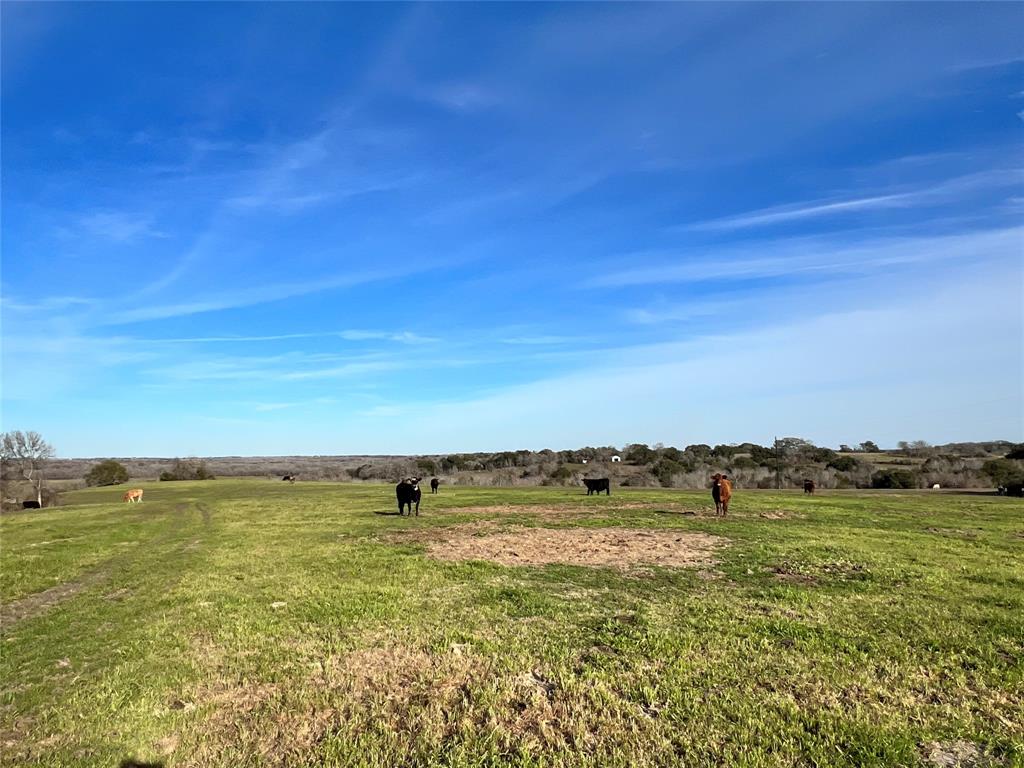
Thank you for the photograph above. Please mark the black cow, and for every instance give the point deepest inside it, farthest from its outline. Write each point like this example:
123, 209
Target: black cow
30, 505
596, 486
289, 478
433, 485
809, 486
408, 493
1015, 489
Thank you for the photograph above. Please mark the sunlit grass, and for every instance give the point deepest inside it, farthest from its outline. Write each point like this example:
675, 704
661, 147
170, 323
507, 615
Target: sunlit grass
246, 622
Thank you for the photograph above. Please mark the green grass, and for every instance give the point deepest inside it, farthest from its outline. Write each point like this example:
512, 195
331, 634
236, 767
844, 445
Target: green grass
845, 630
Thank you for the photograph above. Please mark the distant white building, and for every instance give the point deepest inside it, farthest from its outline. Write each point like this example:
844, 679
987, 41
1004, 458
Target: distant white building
616, 458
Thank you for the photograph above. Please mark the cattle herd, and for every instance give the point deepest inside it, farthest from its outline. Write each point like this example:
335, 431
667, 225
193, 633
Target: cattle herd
408, 492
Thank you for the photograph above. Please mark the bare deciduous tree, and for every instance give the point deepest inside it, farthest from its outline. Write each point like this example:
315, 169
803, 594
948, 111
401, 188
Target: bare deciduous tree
26, 453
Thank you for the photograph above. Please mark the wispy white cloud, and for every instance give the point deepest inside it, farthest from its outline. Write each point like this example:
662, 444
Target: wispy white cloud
813, 256
543, 340
923, 195
805, 211
715, 387
402, 337
45, 305
462, 97
119, 226
247, 297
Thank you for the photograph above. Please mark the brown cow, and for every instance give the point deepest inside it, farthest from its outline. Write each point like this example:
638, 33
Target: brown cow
134, 495
721, 492
808, 486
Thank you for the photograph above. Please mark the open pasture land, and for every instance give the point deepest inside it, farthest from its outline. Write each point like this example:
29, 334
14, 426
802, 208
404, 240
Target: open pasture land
255, 623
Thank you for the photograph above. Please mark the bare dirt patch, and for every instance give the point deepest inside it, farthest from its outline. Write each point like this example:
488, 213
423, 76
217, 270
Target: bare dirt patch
956, 754
34, 605
602, 547
778, 514
578, 511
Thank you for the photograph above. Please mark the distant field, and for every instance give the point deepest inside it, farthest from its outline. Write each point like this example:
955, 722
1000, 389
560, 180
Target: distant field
254, 623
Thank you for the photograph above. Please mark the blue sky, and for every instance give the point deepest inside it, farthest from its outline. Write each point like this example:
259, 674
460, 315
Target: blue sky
382, 228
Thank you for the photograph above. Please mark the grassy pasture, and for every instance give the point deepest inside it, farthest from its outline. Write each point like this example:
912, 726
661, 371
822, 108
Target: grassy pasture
254, 623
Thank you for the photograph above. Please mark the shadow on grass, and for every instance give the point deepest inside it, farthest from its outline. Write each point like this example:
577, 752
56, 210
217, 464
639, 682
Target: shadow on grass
133, 763
387, 514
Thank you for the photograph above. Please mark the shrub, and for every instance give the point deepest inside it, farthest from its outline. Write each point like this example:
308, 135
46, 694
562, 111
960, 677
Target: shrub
1003, 471
1017, 452
843, 463
562, 473
894, 478
664, 469
641, 454
187, 469
107, 472
427, 466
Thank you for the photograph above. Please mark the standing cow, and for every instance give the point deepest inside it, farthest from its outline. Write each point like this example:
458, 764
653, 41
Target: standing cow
808, 486
596, 486
434, 483
408, 493
721, 492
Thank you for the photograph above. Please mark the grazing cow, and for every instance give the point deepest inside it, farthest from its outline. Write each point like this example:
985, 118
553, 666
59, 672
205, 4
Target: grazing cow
808, 486
30, 505
596, 486
408, 493
721, 492
289, 478
434, 483
1015, 489
133, 496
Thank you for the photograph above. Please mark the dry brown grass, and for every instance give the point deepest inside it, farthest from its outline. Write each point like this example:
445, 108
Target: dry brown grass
620, 548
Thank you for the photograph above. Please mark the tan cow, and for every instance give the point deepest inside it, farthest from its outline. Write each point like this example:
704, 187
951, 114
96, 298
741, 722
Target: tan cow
721, 492
134, 495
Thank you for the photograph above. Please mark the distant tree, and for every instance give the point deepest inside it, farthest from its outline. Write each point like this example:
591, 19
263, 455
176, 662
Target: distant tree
664, 469
672, 454
903, 446
844, 448
639, 453
893, 478
1017, 452
561, 473
724, 451
699, 450
844, 463
819, 455
761, 455
427, 466
187, 469
25, 453
1003, 471
107, 472
869, 447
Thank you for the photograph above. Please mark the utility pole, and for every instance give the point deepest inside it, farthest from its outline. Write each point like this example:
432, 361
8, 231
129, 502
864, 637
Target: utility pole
778, 465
